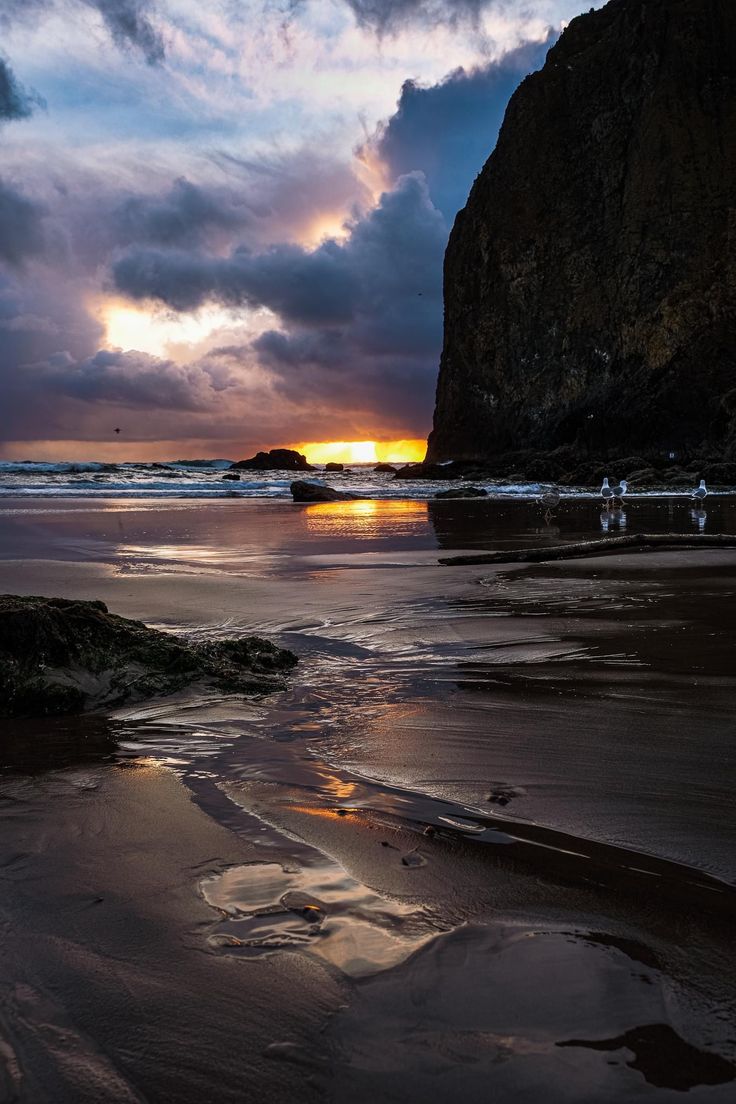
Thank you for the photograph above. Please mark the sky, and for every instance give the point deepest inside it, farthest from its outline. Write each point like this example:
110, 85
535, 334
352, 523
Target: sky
222, 224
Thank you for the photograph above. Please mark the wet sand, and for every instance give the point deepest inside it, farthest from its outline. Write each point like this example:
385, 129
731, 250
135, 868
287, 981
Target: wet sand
313, 894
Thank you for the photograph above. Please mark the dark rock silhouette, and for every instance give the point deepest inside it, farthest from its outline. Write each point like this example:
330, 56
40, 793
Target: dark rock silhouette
318, 492
383, 467
61, 656
275, 460
428, 471
590, 282
334, 466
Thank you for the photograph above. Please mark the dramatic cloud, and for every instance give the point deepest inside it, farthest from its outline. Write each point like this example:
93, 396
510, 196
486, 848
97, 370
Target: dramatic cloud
131, 379
129, 24
391, 255
449, 129
128, 21
260, 277
180, 218
392, 15
15, 101
294, 194
21, 232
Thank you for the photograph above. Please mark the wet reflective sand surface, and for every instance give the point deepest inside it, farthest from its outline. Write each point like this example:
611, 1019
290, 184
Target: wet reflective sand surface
483, 847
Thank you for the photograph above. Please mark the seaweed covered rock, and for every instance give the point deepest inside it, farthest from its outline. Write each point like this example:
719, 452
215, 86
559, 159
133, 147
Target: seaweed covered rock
65, 656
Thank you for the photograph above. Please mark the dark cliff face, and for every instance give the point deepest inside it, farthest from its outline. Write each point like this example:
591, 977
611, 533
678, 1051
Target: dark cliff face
590, 282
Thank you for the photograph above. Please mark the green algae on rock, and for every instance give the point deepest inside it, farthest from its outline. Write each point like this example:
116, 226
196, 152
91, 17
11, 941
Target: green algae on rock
66, 656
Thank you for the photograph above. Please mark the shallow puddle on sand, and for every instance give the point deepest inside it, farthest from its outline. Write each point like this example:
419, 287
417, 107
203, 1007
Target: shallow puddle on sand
512, 1013
320, 908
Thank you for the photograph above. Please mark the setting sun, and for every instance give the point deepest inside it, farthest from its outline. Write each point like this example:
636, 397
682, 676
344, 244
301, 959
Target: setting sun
362, 452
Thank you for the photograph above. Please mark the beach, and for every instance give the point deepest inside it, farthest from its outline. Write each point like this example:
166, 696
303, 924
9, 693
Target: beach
483, 845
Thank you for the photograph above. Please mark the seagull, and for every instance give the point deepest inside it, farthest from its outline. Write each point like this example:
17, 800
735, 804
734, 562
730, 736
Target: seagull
550, 500
606, 492
701, 492
619, 491
117, 429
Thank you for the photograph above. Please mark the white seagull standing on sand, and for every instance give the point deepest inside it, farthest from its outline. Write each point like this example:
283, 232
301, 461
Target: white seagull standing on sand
550, 500
700, 494
606, 492
619, 491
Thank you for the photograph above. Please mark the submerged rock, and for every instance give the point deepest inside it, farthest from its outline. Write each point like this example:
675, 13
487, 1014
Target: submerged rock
318, 492
463, 492
65, 656
383, 467
275, 460
590, 296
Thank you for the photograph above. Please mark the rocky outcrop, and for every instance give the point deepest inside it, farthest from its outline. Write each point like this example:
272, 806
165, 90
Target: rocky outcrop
60, 656
590, 282
334, 466
275, 460
302, 491
384, 467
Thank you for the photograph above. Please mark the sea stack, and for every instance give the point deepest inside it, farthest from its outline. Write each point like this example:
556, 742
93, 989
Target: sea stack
590, 282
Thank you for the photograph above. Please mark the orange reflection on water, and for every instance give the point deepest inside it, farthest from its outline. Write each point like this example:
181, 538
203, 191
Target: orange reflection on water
364, 516
323, 814
338, 787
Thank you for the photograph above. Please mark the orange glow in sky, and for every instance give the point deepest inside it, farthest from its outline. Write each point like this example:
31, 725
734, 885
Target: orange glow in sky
362, 452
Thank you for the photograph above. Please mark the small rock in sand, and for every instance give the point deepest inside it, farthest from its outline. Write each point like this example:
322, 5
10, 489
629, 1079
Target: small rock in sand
504, 794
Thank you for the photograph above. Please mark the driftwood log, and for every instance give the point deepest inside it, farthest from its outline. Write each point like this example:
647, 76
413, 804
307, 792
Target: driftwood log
637, 542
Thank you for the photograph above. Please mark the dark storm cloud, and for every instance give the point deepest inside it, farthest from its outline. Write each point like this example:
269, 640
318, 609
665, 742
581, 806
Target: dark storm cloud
448, 129
131, 379
390, 254
181, 218
392, 15
129, 24
16, 102
284, 278
21, 230
128, 21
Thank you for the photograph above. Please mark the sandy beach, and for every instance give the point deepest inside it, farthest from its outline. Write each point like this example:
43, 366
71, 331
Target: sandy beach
483, 845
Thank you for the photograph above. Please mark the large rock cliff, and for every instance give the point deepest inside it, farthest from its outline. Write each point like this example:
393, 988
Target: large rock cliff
590, 282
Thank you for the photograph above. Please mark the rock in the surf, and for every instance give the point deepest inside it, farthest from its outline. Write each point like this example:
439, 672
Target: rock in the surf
66, 656
275, 460
302, 491
463, 492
